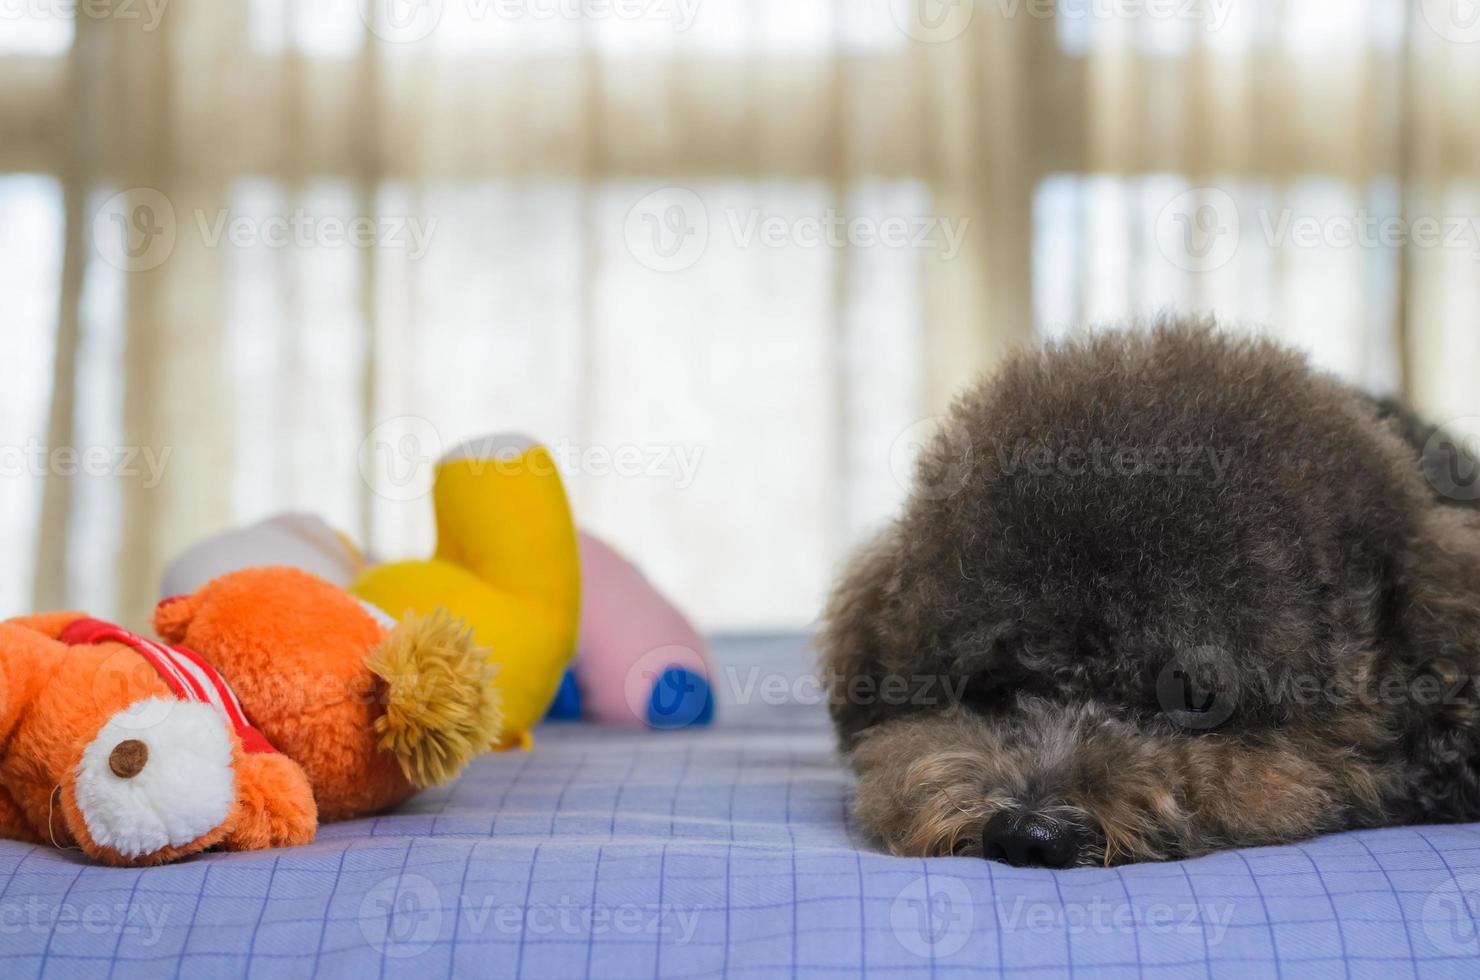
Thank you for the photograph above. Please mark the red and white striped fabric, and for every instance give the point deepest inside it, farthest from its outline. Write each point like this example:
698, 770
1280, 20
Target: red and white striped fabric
185, 671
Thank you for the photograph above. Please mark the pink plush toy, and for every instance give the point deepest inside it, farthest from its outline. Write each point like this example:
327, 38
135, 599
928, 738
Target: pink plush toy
640, 662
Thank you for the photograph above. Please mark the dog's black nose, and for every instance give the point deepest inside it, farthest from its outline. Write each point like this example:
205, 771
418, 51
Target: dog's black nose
1027, 840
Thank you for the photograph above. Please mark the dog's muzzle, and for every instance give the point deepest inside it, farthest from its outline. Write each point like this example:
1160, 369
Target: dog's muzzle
1030, 840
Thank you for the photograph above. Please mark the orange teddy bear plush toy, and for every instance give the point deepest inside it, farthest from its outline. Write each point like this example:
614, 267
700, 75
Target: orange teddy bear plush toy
275, 701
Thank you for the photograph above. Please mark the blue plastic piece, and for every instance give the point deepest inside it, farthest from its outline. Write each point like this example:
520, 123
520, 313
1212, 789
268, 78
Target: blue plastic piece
680, 699
567, 703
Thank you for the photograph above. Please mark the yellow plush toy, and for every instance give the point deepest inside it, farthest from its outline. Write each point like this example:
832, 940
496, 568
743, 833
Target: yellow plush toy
506, 559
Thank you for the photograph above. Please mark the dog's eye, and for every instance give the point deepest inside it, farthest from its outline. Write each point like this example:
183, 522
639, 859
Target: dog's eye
993, 690
982, 693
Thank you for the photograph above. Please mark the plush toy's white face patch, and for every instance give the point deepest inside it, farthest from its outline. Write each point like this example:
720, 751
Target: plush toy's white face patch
157, 775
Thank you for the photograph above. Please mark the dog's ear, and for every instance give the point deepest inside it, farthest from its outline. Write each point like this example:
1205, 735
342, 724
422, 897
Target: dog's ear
855, 639
1435, 616
1439, 596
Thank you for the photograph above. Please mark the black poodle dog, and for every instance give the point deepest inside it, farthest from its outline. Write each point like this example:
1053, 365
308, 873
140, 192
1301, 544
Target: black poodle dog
1161, 592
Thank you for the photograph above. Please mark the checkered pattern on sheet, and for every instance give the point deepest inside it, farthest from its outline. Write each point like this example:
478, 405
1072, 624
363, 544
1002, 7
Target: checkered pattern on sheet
725, 851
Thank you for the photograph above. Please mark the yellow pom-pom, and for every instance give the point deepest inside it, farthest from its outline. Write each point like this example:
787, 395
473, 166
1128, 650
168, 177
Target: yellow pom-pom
442, 710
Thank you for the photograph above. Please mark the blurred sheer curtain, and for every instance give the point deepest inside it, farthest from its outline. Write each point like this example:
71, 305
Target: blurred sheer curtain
727, 254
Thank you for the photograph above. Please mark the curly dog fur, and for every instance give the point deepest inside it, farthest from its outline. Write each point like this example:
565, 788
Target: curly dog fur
1157, 593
